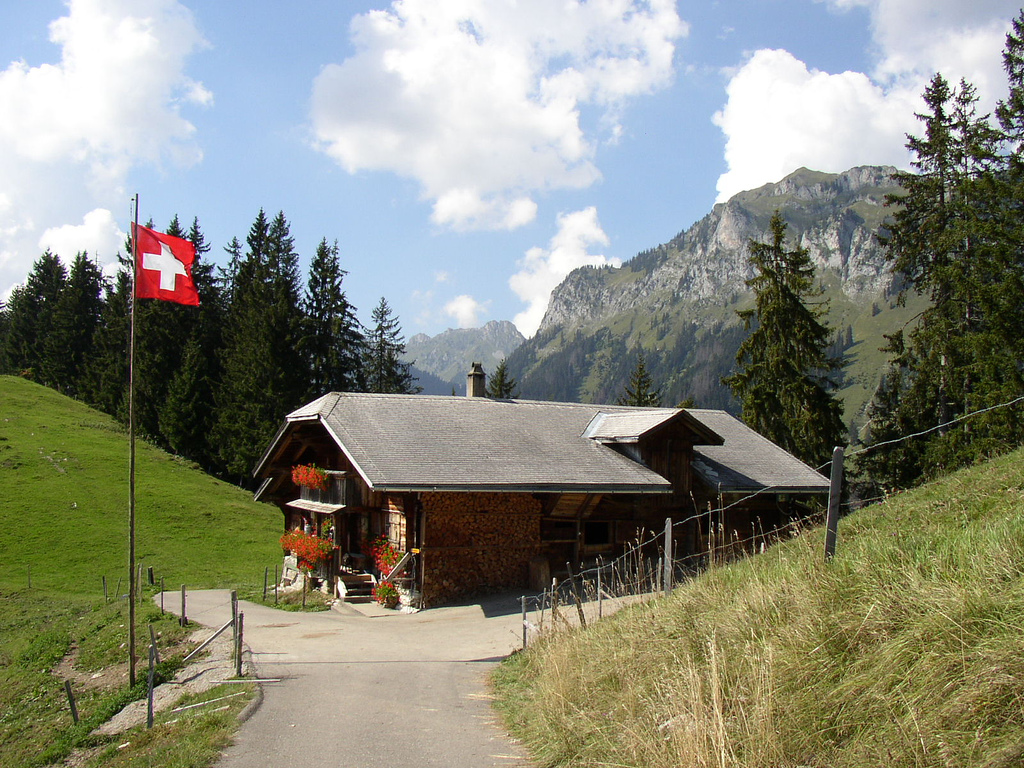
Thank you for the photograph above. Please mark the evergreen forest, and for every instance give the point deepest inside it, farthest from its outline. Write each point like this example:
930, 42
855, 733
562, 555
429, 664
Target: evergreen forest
212, 383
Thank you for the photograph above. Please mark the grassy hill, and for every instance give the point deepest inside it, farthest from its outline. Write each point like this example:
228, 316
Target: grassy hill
906, 650
64, 504
63, 525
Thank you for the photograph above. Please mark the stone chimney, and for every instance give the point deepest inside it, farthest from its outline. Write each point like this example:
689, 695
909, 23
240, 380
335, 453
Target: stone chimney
476, 381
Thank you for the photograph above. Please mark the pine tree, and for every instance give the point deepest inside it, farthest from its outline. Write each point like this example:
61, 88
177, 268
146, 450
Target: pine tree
333, 341
501, 385
953, 239
105, 382
187, 414
30, 317
785, 381
640, 391
384, 370
68, 345
264, 373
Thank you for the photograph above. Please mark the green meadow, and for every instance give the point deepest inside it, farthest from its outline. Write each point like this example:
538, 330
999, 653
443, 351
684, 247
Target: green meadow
63, 529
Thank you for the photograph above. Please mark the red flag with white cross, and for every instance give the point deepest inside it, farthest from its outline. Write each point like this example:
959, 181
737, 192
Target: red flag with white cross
163, 268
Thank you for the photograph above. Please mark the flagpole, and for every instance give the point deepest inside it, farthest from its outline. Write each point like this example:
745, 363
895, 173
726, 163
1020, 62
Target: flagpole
131, 455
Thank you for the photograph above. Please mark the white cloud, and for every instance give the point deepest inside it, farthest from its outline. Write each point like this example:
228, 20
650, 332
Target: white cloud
781, 115
480, 100
542, 270
465, 310
71, 130
98, 234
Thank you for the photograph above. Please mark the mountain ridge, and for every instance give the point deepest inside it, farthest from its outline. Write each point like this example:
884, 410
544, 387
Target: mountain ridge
678, 301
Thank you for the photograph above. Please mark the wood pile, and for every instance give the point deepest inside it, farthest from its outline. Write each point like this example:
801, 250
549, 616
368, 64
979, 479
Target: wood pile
476, 542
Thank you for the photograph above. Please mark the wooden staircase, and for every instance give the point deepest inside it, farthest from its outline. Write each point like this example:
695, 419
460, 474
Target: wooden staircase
356, 587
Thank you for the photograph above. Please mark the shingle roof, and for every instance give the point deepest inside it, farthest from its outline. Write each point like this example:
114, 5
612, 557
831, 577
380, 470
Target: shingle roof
422, 442
748, 462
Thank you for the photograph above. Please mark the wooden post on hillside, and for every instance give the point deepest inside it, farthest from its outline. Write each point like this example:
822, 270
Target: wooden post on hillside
834, 492
71, 701
149, 685
522, 601
234, 618
666, 579
240, 632
184, 617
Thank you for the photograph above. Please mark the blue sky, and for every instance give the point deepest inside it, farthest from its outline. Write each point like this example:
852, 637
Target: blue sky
465, 154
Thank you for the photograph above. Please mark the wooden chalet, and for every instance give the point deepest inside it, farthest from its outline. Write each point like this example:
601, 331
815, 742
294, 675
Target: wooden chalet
496, 494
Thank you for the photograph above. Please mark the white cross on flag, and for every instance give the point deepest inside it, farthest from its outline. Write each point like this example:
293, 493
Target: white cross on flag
163, 269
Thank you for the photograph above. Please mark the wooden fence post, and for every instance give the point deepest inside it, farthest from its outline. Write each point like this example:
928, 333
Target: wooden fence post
152, 642
149, 685
266, 577
239, 628
234, 618
152, 579
184, 617
666, 578
161, 595
106, 597
522, 601
834, 492
71, 701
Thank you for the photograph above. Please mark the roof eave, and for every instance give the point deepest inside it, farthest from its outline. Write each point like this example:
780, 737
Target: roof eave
397, 487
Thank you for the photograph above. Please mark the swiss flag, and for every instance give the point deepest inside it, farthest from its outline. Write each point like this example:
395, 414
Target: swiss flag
163, 268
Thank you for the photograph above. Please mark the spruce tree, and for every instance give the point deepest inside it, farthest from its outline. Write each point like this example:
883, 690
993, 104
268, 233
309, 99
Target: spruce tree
105, 383
786, 379
640, 391
953, 238
30, 317
501, 385
69, 344
187, 414
383, 367
333, 342
264, 373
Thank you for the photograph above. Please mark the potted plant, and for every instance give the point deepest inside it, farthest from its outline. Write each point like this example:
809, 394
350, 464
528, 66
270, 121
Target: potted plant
386, 594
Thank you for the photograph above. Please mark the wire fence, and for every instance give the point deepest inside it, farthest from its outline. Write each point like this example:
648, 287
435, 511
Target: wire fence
648, 567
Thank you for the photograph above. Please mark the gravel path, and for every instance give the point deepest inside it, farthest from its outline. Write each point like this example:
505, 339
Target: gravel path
361, 686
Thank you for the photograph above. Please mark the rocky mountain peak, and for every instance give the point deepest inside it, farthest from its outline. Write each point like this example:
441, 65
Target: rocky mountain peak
835, 216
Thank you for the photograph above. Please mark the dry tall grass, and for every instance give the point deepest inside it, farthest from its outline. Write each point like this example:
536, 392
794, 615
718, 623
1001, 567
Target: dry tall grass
906, 650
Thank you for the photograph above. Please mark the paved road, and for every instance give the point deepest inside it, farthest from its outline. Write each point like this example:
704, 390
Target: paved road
368, 687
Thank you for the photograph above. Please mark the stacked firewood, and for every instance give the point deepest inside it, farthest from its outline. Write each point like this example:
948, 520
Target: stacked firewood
477, 542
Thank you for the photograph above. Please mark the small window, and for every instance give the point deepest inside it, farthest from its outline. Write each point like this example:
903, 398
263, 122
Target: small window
597, 533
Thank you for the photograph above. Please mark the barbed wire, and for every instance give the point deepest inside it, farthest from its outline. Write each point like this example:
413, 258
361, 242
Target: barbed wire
937, 427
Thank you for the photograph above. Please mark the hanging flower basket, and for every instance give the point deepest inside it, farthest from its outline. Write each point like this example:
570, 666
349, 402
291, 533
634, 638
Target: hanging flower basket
310, 476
